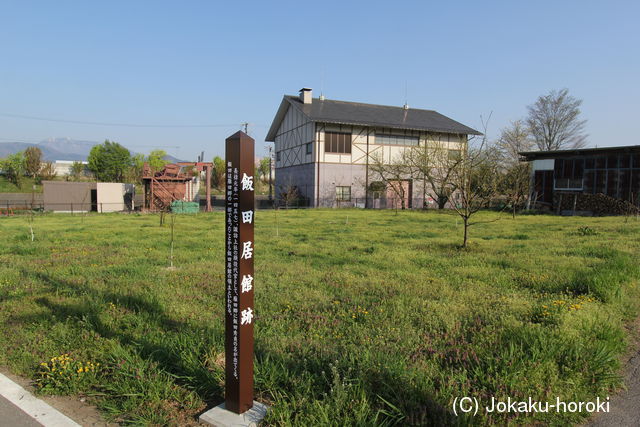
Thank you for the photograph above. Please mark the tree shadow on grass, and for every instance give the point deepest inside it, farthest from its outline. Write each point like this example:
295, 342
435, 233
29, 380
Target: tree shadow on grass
392, 400
175, 356
196, 378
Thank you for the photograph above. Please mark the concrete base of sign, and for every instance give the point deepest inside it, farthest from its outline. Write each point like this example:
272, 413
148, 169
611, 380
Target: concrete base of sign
220, 417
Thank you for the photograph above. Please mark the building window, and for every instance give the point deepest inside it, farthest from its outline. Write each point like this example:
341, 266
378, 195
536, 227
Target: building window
343, 193
277, 156
337, 142
310, 148
396, 139
568, 173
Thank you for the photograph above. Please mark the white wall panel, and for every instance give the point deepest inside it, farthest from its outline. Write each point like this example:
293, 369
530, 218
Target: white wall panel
294, 133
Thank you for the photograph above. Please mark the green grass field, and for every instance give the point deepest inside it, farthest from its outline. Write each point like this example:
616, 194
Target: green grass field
26, 186
363, 317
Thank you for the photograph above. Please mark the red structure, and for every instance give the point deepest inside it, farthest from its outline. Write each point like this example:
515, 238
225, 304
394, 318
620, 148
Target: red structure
174, 182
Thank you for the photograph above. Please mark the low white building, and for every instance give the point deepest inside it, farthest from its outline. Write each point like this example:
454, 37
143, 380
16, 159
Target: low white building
63, 196
63, 167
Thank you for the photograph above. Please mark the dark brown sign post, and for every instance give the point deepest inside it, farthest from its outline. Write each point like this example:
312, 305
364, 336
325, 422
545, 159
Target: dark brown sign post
239, 408
239, 278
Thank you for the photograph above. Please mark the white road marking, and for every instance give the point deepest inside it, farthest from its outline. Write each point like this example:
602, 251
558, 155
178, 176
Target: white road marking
40, 411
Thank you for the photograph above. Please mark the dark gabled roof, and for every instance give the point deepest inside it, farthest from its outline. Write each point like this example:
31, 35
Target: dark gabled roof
533, 155
356, 113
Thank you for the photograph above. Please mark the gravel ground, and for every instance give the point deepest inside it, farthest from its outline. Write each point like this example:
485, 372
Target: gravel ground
625, 406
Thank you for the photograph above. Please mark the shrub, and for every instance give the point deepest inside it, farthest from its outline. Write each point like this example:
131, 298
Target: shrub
66, 375
587, 231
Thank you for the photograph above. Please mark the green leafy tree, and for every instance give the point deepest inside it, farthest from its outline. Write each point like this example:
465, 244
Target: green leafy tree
137, 161
218, 172
109, 161
32, 161
156, 160
13, 167
134, 174
77, 170
263, 169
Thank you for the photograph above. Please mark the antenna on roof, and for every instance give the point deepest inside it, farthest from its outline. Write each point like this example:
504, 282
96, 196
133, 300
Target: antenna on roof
406, 105
321, 98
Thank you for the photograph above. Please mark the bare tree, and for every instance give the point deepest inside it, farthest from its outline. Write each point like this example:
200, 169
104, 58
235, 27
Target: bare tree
514, 139
434, 164
554, 121
392, 174
290, 196
48, 172
477, 179
289, 193
514, 184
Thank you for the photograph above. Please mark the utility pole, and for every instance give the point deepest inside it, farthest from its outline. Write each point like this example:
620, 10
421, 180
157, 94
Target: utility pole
270, 190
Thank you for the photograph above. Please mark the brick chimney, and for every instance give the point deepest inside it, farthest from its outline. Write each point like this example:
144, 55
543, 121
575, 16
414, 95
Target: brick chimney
305, 95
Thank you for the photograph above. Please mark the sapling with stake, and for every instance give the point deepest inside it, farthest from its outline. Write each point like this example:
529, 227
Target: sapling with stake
31, 225
173, 223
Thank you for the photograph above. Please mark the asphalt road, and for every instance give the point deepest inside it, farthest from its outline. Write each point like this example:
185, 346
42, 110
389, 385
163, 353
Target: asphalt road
12, 416
625, 407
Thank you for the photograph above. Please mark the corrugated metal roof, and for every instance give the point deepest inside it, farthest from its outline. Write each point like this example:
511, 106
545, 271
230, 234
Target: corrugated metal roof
532, 155
355, 113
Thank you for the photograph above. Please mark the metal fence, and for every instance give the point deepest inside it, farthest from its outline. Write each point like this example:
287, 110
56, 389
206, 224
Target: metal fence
12, 207
360, 202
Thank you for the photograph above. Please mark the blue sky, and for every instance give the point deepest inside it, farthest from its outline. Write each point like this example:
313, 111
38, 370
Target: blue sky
224, 63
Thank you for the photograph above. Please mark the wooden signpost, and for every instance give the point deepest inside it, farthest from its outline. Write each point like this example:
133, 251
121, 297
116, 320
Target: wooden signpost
239, 272
239, 407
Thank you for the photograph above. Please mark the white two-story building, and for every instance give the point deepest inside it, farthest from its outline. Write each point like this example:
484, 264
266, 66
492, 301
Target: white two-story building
325, 148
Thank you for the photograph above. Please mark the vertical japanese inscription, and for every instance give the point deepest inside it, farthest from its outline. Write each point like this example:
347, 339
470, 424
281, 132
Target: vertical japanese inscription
239, 272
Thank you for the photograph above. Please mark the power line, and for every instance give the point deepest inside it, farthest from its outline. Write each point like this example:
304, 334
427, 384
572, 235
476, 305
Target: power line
135, 125
154, 146
26, 141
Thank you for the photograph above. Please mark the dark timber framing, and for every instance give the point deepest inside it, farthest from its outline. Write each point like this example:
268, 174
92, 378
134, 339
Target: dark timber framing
614, 171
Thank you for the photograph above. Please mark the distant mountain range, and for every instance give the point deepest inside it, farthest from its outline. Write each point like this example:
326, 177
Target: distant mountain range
60, 149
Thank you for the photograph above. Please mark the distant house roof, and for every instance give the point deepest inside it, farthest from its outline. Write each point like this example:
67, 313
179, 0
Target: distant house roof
533, 155
356, 113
